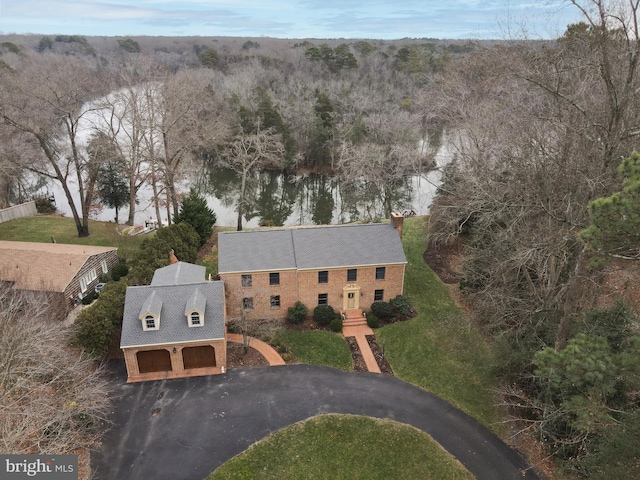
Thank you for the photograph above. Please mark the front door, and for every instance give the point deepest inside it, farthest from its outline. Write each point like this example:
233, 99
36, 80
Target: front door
351, 300
351, 297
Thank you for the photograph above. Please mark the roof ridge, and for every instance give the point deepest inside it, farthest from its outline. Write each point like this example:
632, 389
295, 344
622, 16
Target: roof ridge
293, 246
289, 228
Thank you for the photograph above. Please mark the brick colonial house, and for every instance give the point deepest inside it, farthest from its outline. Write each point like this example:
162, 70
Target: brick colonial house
346, 266
68, 271
175, 327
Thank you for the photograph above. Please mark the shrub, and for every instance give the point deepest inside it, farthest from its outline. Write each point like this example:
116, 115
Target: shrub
154, 251
120, 269
382, 310
106, 277
297, 313
323, 314
45, 205
89, 297
336, 325
401, 305
373, 321
93, 333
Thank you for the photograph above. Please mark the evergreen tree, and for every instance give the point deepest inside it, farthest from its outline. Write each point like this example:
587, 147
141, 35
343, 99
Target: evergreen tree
195, 212
615, 220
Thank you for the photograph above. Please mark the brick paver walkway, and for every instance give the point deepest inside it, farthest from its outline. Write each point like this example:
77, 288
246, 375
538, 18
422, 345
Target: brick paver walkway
266, 350
360, 333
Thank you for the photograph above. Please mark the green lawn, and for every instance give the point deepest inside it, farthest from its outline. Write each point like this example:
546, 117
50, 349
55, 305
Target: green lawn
42, 228
318, 347
336, 447
439, 350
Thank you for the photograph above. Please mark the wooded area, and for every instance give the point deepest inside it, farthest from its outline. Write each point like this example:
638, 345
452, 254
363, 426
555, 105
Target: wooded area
540, 132
78, 110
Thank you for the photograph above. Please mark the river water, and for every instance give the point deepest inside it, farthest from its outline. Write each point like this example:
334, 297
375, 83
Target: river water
277, 199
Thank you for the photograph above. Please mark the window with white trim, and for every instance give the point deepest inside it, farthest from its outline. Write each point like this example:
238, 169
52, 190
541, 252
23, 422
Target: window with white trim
195, 319
104, 266
275, 301
150, 322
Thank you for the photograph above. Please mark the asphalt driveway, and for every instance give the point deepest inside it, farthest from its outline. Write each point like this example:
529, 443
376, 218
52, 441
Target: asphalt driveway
186, 428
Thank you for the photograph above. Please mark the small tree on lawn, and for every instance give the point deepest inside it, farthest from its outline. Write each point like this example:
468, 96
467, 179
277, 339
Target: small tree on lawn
194, 211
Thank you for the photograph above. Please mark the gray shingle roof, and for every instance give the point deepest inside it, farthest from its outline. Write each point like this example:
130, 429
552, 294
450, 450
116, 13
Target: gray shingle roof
309, 248
151, 305
197, 301
255, 250
180, 273
174, 326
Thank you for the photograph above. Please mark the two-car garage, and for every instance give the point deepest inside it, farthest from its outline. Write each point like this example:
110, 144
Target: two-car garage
188, 358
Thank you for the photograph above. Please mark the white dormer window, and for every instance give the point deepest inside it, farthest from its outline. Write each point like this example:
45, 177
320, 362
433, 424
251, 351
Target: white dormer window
195, 308
150, 312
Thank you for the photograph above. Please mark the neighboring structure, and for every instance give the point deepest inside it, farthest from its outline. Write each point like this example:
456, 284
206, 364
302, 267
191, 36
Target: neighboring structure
346, 266
176, 326
27, 209
69, 271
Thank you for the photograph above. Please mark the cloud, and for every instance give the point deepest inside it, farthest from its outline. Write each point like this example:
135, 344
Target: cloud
281, 18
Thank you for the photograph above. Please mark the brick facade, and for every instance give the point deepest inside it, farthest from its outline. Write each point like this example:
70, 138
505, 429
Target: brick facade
261, 292
303, 285
177, 363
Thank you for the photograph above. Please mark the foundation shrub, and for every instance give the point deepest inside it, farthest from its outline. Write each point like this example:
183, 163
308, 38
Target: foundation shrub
382, 310
297, 313
373, 321
336, 325
401, 305
323, 314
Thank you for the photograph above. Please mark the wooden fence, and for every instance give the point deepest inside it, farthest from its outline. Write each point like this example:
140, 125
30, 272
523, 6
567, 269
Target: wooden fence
18, 211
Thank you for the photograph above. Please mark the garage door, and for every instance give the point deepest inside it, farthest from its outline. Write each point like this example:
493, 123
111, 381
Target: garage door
199, 357
154, 361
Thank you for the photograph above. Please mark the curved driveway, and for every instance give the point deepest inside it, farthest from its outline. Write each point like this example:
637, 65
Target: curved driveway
186, 428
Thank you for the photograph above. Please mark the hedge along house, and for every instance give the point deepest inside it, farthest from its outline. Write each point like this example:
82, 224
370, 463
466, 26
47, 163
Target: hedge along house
68, 271
346, 266
175, 327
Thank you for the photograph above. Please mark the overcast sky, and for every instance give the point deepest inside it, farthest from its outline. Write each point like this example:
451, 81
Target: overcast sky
375, 19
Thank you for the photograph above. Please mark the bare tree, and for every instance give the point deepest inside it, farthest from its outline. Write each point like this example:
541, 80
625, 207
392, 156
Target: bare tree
44, 101
190, 120
123, 117
53, 399
538, 131
249, 152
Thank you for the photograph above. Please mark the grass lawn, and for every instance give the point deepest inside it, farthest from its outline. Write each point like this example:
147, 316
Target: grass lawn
344, 447
318, 347
439, 350
42, 228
